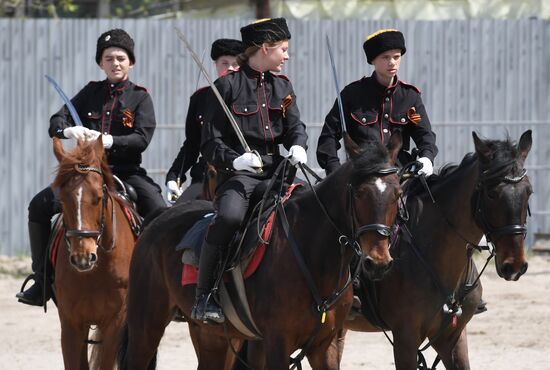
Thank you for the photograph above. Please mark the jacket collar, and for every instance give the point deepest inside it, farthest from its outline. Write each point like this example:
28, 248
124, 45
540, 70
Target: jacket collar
252, 73
117, 88
384, 89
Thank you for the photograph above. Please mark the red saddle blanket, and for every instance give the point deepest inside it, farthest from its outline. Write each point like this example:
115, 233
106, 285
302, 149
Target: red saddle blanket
190, 273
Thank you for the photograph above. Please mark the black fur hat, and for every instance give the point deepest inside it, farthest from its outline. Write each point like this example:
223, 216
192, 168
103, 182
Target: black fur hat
381, 41
265, 30
222, 47
118, 38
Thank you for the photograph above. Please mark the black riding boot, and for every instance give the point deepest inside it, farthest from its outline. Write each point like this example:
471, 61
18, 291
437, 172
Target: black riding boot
39, 293
206, 308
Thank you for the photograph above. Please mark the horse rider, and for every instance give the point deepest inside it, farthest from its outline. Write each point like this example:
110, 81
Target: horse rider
120, 111
224, 54
264, 105
378, 105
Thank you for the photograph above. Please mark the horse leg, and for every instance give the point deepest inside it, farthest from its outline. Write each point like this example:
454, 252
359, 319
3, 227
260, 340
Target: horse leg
104, 356
405, 349
73, 345
336, 349
211, 350
327, 354
277, 352
454, 351
251, 356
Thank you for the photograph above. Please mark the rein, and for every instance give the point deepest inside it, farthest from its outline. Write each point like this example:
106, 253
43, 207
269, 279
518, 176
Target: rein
453, 304
97, 234
324, 305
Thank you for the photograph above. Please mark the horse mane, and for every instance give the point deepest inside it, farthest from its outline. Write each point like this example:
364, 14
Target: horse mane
83, 154
374, 157
504, 152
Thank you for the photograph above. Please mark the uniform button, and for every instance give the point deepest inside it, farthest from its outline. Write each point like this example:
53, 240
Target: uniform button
201, 123
108, 113
246, 109
266, 127
112, 85
105, 133
387, 98
402, 119
89, 114
363, 120
385, 130
386, 115
389, 92
200, 116
263, 105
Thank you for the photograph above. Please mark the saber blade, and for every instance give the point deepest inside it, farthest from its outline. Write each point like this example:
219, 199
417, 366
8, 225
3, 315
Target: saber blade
66, 100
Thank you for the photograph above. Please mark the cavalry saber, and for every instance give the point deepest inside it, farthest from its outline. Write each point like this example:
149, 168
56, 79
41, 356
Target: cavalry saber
234, 124
180, 174
336, 85
66, 100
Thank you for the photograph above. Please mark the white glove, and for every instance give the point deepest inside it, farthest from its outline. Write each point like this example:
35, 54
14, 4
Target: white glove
93, 135
172, 191
76, 132
427, 166
247, 162
107, 141
297, 154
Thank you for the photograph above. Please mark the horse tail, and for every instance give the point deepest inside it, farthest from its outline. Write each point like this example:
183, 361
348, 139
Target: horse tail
123, 347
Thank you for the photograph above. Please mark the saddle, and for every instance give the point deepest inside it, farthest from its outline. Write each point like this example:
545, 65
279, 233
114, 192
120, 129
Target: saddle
244, 255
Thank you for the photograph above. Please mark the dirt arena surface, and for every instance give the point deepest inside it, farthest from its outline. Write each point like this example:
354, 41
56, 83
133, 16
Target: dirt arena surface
512, 335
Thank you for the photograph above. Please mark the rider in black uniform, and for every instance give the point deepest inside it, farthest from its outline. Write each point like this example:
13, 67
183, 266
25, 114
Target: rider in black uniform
224, 54
120, 111
264, 106
376, 106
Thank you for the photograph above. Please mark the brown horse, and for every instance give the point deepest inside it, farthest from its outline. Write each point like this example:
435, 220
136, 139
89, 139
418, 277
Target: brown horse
92, 263
424, 294
360, 199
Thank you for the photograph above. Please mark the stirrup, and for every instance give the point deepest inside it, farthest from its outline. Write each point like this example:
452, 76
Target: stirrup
207, 310
21, 295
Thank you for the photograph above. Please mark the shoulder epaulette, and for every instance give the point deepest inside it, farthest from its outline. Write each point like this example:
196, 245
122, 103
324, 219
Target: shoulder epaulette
284, 77
410, 85
140, 87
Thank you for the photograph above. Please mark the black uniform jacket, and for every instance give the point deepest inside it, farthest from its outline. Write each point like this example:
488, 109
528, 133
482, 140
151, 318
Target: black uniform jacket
373, 111
123, 110
190, 150
264, 106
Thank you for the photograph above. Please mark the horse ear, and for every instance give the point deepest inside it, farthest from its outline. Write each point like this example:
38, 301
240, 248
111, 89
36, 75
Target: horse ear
394, 145
351, 146
524, 145
58, 149
482, 149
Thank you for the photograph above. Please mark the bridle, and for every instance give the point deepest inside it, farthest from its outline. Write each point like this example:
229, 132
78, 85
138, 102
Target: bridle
494, 177
97, 234
382, 229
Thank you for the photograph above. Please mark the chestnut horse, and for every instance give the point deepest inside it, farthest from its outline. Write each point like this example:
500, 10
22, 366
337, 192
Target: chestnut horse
93, 259
356, 204
424, 294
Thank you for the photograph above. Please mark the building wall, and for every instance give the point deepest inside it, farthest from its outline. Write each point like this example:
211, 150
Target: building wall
490, 76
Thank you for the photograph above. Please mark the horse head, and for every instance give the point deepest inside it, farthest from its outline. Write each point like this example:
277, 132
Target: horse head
374, 197
501, 201
83, 181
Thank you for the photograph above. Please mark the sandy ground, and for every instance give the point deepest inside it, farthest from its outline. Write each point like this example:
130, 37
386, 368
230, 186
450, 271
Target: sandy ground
513, 334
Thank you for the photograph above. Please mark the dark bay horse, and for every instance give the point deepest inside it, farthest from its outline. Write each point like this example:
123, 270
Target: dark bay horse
362, 196
486, 194
93, 259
